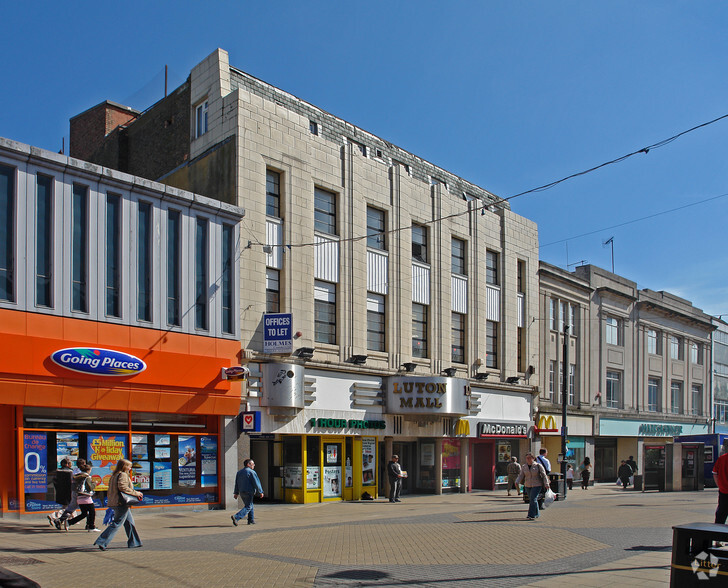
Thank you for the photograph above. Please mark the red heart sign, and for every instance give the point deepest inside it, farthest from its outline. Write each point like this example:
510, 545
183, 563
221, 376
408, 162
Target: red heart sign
248, 419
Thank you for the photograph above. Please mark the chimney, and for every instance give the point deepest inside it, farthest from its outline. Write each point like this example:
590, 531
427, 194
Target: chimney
90, 128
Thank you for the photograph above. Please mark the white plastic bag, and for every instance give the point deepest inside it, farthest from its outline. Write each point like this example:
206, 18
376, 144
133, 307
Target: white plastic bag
548, 497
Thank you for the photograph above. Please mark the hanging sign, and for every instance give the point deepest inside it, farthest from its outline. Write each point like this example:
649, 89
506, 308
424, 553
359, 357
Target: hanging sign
277, 332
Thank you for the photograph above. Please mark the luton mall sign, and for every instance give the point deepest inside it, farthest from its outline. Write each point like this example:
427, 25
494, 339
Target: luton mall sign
435, 396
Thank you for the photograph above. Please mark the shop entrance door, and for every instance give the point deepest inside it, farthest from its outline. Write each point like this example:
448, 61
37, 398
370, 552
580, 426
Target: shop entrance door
407, 461
333, 473
483, 466
605, 456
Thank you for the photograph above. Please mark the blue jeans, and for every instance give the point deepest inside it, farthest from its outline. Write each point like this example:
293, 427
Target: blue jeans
122, 516
533, 493
247, 509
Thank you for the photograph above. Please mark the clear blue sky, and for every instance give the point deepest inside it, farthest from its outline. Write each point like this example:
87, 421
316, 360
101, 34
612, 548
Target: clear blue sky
510, 95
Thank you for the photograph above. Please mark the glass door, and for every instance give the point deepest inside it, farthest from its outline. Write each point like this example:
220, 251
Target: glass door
332, 471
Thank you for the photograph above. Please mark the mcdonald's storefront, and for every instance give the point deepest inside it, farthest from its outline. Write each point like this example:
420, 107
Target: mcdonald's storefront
579, 440
492, 449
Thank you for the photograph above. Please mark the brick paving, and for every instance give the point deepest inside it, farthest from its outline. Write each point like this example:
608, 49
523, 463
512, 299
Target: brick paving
601, 537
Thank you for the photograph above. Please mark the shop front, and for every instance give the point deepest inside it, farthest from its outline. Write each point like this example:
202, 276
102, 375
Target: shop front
579, 439
496, 444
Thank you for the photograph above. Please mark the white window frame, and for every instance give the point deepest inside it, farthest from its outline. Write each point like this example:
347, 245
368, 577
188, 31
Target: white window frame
201, 118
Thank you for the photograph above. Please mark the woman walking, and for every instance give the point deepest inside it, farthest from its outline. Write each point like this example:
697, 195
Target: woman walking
84, 486
585, 473
120, 482
535, 481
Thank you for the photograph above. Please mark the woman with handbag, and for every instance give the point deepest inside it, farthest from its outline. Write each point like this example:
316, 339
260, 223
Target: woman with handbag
535, 480
121, 496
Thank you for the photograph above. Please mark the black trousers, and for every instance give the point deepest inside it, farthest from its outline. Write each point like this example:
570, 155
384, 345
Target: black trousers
88, 511
721, 513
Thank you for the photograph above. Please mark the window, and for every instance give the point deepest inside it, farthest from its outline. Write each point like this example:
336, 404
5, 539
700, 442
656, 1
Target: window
521, 270
521, 352
324, 211
419, 330
572, 384
325, 312
272, 290
313, 127
376, 236
654, 342
44, 241
572, 319
458, 257
201, 274
228, 273
458, 337
173, 268
676, 397
7, 233
552, 381
491, 267
144, 262
419, 243
614, 389
697, 400
696, 353
491, 344
201, 119
563, 316
79, 248
654, 386
376, 340
676, 347
273, 193
612, 331
721, 411
553, 314
113, 255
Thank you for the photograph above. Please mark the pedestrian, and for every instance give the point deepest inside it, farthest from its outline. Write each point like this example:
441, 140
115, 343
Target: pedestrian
71, 507
120, 482
623, 473
633, 464
720, 475
84, 486
569, 477
543, 460
535, 481
585, 473
62, 483
247, 485
395, 475
513, 469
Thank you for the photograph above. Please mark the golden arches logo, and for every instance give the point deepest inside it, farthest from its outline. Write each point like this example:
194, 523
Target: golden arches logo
462, 427
546, 423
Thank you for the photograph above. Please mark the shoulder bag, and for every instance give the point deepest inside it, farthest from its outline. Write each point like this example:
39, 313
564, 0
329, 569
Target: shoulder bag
127, 499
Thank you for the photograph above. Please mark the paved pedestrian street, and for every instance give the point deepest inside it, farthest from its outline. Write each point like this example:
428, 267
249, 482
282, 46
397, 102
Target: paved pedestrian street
601, 537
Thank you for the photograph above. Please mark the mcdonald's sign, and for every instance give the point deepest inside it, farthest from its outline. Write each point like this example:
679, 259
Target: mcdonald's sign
462, 427
546, 424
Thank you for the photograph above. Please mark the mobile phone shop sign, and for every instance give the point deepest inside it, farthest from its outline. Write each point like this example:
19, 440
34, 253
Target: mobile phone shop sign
277, 332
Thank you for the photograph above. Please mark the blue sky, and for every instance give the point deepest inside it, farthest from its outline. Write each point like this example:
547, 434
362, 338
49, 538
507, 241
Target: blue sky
509, 95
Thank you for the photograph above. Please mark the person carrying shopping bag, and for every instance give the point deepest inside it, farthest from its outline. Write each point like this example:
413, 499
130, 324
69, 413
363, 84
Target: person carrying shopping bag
535, 481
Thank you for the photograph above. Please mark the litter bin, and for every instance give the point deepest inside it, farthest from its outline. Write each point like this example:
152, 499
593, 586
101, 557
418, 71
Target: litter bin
557, 483
637, 482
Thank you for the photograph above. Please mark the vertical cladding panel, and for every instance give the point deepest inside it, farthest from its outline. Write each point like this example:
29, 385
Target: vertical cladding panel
420, 283
460, 294
326, 264
493, 303
274, 236
377, 272
521, 309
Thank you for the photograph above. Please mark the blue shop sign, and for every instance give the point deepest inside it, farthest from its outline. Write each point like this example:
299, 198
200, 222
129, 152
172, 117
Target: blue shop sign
627, 428
98, 362
277, 332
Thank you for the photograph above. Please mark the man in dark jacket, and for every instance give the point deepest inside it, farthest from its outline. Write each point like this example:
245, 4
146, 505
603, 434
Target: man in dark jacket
62, 484
395, 475
624, 473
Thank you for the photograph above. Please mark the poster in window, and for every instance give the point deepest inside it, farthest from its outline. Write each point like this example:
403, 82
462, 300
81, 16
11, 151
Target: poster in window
139, 447
427, 455
313, 477
35, 452
208, 461
162, 452
66, 446
141, 475
332, 453
187, 461
332, 481
349, 472
161, 440
368, 455
162, 475
293, 475
103, 451
504, 451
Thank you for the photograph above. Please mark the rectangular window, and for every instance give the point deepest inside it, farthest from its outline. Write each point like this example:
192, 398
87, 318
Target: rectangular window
201, 274
44, 241
696, 353
79, 249
376, 236
614, 389
572, 384
113, 255
173, 268
521, 352
676, 397
458, 259
552, 381
325, 312
228, 273
324, 211
272, 290
563, 316
611, 331
553, 314
7, 233
653, 342
721, 411
313, 127
521, 270
572, 319
653, 394
144, 262
201, 119
458, 337
273, 193
676, 347
697, 400
491, 267
419, 243
419, 330
376, 336
491, 344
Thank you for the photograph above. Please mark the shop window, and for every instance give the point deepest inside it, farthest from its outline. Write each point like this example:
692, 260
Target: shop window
292, 462
451, 464
313, 462
369, 463
332, 470
348, 470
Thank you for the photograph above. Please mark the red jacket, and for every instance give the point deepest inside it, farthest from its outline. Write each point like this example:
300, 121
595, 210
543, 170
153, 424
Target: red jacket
720, 473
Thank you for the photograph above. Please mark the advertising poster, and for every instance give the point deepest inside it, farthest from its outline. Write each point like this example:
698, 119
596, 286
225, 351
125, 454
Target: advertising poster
427, 457
161, 440
162, 452
332, 453
368, 453
504, 451
103, 452
187, 462
349, 476
332, 482
208, 461
162, 475
139, 447
35, 450
292, 476
313, 477
141, 475
66, 446
450, 455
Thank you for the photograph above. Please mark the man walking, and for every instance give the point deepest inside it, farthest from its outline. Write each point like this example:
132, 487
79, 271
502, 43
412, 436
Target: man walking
513, 469
624, 473
720, 474
394, 472
247, 485
543, 460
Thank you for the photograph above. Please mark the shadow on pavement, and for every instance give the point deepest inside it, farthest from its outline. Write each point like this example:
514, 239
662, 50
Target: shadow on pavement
649, 548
